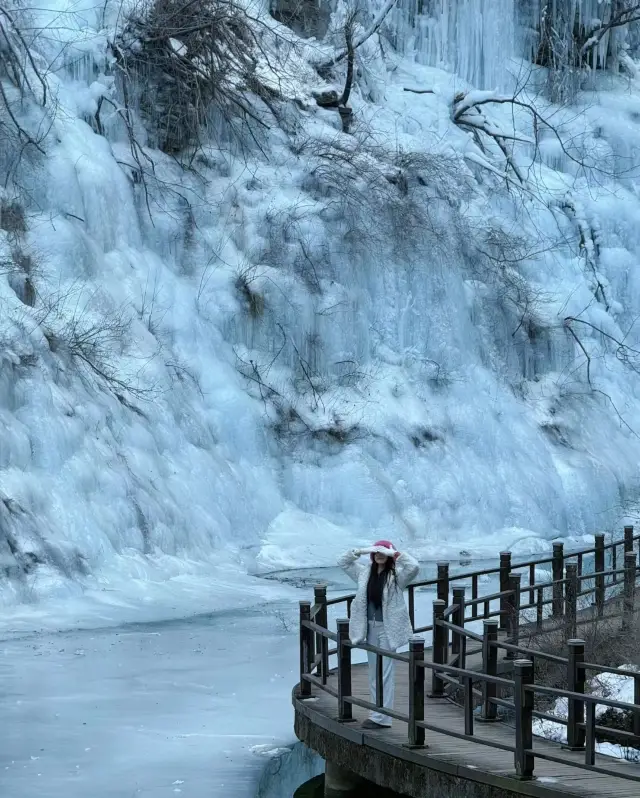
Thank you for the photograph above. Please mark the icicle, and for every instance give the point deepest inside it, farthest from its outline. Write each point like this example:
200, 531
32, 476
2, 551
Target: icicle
471, 37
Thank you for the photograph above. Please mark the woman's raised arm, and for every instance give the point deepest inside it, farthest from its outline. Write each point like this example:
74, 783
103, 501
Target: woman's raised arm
349, 563
406, 569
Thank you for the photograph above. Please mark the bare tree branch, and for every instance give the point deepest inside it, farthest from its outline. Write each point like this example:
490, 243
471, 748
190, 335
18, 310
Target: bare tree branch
360, 40
625, 16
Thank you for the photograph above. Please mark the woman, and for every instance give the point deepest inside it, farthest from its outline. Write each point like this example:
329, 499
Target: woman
378, 613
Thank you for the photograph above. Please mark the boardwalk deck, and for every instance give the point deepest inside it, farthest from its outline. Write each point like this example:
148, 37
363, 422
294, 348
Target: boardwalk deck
468, 758
482, 763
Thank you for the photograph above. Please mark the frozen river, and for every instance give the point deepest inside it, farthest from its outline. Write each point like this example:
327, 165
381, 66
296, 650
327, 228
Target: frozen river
192, 707
161, 709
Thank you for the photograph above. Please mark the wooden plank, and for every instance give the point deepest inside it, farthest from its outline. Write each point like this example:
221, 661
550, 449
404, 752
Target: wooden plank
478, 762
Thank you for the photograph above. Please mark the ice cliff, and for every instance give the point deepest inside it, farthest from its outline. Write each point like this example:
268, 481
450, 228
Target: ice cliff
248, 330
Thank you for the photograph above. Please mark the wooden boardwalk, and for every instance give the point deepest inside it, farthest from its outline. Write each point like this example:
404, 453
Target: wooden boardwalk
468, 759
441, 749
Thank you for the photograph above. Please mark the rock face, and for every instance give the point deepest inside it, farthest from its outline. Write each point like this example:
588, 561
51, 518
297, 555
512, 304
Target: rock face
308, 18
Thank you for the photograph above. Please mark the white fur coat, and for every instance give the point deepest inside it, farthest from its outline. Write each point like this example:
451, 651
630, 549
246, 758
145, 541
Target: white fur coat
397, 625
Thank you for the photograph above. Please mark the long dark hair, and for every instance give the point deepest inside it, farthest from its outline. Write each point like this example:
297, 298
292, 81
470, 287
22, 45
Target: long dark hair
378, 580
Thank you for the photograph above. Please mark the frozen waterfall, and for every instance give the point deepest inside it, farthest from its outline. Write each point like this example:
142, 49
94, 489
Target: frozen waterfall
306, 338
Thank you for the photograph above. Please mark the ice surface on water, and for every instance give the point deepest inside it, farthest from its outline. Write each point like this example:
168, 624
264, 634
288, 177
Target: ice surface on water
285, 774
165, 709
198, 707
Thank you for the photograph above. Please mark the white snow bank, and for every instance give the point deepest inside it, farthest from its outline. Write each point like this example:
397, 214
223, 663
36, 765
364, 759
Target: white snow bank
178, 588
614, 687
301, 540
165, 709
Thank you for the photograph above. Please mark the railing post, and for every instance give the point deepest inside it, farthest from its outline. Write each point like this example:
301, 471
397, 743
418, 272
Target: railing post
490, 668
571, 600
345, 709
443, 582
457, 618
557, 574
539, 607
630, 563
575, 684
322, 643
306, 645
598, 568
505, 571
590, 734
474, 595
467, 682
412, 605
628, 539
416, 691
636, 701
440, 646
513, 617
379, 680
523, 700
532, 581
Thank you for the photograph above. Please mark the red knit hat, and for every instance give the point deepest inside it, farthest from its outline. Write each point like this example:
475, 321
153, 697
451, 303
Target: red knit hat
387, 544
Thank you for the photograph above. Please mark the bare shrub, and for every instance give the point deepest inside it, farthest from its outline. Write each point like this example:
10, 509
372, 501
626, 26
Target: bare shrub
190, 58
252, 299
22, 271
12, 217
497, 255
93, 335
23, 79
153, 309
304, 17
297, 413
588, 244
570, 45
376, 200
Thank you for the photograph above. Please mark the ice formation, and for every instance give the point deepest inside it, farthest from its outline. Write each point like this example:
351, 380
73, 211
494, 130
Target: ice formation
302, 339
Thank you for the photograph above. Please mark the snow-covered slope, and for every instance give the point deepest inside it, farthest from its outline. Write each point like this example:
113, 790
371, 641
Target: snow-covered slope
291, 339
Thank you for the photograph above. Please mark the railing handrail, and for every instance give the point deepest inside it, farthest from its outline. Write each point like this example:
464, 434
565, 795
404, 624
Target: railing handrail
526, 564
493, 596
514, 567
500, 644
450, 619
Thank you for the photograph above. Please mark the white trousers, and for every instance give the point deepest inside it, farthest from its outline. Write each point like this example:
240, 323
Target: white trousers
377, 637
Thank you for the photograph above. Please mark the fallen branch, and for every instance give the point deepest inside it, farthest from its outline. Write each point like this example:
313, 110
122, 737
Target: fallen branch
27, 52
626, 354
567, 323
360, 40
624, 17
466, 112
351, 54
588, 245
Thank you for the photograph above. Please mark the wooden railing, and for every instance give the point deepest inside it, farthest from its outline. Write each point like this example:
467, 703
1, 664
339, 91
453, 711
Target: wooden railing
451, 640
